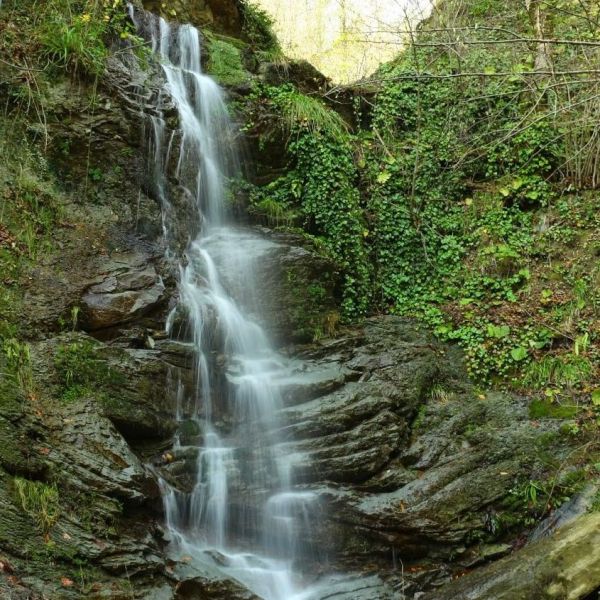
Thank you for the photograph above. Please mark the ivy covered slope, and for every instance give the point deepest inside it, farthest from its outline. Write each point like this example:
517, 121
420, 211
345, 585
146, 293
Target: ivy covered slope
459, 185
477, 158
481, 176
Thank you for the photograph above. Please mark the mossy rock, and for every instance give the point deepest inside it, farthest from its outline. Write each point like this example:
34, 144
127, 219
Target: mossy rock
540, 409
225, 62
18, 429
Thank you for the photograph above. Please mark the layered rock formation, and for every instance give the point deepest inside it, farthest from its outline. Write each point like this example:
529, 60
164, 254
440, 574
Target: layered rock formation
418, 476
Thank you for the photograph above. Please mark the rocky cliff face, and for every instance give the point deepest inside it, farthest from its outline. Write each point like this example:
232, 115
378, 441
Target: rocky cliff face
419, 476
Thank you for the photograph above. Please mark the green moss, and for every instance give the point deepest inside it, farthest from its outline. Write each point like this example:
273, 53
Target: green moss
419, 422
547, 440
225, 62
540, 409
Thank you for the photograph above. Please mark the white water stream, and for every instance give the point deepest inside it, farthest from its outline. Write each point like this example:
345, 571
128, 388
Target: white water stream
238, 456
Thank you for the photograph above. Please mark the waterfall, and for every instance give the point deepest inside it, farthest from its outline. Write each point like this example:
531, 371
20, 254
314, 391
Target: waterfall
238, 455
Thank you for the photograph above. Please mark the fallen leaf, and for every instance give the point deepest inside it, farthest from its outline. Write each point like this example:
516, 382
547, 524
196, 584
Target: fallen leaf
66, 582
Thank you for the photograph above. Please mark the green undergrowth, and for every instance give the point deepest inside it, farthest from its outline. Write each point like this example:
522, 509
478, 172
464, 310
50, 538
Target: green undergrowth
66, 34
479, 198
83, 372
38, 500
257, 28
482, 211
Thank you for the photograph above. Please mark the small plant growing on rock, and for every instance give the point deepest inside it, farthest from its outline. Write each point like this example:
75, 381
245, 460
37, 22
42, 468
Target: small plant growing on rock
81, 370
18, 363
38, 500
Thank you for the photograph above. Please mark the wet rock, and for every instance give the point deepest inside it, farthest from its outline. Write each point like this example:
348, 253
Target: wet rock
89, 452
354, 586
400, 449
307, 77
200, 587
19, 430
300, 304
131, 288
202, 578
143, 404
220, 15
565, 566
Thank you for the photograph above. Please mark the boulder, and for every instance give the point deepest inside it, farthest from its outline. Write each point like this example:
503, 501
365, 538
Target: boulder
90, 454
400, 450
130, 289
565, 566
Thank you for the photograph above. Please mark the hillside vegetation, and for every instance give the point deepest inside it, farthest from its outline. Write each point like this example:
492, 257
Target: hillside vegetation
477, 157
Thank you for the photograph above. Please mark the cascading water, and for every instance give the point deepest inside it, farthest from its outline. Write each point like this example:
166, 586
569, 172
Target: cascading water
238, 420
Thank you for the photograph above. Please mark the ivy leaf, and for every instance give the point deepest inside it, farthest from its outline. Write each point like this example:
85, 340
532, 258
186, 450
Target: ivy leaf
489, 70
537, 345
383, 177
519, 353
525, 274
498, 331
596, 397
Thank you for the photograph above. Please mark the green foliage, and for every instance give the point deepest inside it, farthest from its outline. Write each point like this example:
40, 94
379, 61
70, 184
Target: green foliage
321, 184
75, 42
454, 172
331, 204
38, 500
258, 28
530, 500
304, 114
18, 363
564, 370
74, 34
225, 62
275, 214
82, 371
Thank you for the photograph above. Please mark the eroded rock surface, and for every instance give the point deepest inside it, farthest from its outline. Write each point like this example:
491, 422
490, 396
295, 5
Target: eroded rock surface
130, 288
565, 566
409, 464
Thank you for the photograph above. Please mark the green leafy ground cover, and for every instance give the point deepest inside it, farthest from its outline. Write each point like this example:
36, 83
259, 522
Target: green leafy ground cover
478, 207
